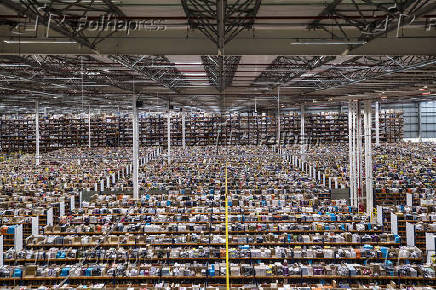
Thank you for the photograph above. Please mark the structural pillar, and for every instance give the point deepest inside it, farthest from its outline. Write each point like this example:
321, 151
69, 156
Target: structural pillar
377, 124
350, 151
278, 120
183, 131
359, 152
135, 149
353, 131
37, 132
368, 157
419, 122
302, 135
89, 127
169, 137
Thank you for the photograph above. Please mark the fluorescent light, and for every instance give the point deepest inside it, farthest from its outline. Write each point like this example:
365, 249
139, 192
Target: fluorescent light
15, 80
328, 42
194, 74
38, 41
296, 87
90, 85
12, 65
53, 78
187, 62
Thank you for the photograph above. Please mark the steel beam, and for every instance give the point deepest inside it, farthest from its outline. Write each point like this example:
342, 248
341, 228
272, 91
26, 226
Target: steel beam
286, 68
220, 70
221, 22
166, 74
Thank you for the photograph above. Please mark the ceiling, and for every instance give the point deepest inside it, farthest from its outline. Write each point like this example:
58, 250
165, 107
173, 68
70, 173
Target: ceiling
217, 55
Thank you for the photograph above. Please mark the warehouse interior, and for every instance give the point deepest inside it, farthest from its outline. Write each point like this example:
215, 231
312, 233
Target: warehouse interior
219, 144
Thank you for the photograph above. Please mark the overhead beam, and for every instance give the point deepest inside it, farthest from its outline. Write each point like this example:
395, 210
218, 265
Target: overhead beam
114, 8
221, 22
328, 10
177, 44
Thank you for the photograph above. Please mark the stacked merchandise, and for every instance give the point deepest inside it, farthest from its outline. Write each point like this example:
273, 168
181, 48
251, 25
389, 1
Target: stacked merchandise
280, 233
61, 180
399, 169
17, 133
64, 170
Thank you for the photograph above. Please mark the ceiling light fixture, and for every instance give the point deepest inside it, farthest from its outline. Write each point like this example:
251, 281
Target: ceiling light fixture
187, 62
55, 78
195, 74
328, 43
13, 65
39, 41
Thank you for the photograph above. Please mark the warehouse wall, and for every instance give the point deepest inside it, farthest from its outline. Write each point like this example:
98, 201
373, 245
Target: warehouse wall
411, 117
428, 119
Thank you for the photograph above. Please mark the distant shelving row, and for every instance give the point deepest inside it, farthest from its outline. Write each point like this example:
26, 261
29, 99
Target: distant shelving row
18, 134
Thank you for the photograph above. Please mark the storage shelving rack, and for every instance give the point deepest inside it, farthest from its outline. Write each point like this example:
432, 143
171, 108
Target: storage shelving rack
201, 129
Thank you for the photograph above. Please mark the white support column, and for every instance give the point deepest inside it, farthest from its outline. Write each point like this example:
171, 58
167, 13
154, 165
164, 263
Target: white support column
368, 157
419, 121
350, 151
302, 135
377, 124
278, 119
37, 132
135, 149
352, 144
183, 131
169, 137
89, 127
359, 151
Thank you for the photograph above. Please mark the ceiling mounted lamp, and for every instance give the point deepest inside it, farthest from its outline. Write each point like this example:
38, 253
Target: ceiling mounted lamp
39, 41
328, 42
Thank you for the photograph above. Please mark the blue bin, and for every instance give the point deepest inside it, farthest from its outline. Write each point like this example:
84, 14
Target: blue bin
212, 270
11, 230
333, 217
88, 272
17, 273
384, 251
65, 272
60, 255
